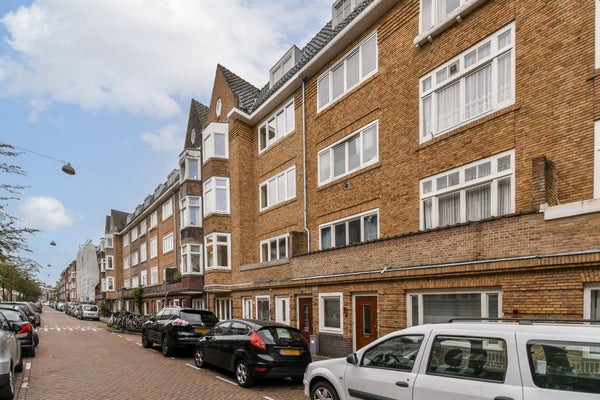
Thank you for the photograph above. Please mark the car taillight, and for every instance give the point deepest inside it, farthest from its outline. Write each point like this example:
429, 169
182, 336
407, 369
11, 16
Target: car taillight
25, 328
180, 322
257, 341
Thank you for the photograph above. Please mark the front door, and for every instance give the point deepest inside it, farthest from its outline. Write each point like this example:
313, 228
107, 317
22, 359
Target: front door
366, 320
305, 319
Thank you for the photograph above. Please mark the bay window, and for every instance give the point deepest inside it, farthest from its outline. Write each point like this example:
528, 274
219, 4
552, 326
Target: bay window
216, 196
215, 139
191, 259
190, 212
217, 250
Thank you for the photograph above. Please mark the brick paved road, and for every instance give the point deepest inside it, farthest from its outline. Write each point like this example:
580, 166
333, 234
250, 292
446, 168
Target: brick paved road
83, 360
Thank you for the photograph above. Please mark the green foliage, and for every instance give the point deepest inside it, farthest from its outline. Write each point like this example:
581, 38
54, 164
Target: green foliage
136, 293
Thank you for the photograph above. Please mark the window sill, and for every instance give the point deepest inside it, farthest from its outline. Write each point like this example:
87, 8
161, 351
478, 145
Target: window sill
267, 264
570, 209
453, 18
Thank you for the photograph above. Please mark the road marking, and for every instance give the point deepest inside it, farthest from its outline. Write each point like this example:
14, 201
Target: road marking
28, 366
226, 380
193, 366
24, 385
268, 398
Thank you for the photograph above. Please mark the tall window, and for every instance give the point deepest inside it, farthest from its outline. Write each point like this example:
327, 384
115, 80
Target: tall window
167, 243
190, 166
278, 125
134, 233
355, 67
477, 82
591, 301
423, 308
216, 196
153, 219
110, 263
143, 227
472, 192
191, 259
110, 284
434, 11
263, 308
109, 241
356, 229
153, 247
167, 209
352, 153
144, 278
217, 250
215, 141
223, 308
274, 249
134, 258
143, 252
154, 276
126, 261
190, 212
278, 189
330, 312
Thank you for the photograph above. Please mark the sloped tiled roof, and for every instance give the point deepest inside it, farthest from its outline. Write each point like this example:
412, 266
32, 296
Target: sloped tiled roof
201, 111
119, 219
312, 48
245, 91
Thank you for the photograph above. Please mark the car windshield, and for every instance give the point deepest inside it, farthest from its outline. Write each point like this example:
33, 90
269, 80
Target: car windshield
282, 336
199, 316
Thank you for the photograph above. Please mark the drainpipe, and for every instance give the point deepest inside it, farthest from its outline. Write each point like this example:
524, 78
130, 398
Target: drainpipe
305, 184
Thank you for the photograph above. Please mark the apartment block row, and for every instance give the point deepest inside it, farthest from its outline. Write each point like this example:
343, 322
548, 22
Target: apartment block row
417, 160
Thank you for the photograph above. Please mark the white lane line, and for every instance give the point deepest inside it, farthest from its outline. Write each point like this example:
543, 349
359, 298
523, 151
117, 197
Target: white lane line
226, 380
192, 366
27, 366
268, 398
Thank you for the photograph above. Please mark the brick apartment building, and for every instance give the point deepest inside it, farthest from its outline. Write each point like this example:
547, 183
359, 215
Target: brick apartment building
417, 160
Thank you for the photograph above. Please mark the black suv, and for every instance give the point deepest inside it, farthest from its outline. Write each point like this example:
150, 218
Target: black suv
176, 327
254, 349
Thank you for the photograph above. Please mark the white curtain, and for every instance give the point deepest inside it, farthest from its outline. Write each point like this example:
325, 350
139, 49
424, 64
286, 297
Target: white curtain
449, 209
427, 214
478, 92
370, 227
504, 78
504, 196
448, 106
478, 203
426, 117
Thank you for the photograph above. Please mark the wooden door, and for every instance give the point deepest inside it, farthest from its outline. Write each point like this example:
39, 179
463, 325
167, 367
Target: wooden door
366, 320
305, 312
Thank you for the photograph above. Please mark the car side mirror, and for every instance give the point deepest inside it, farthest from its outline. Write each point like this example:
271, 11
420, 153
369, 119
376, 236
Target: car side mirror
352, 359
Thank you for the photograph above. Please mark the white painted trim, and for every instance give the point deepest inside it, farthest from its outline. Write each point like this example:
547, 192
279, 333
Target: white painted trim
571, 209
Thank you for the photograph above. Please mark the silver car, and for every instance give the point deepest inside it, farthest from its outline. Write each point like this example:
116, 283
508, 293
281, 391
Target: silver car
88, 311
11, 360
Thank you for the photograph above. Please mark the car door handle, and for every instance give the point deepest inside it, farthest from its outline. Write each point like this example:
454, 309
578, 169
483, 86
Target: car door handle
503, 398
402, 384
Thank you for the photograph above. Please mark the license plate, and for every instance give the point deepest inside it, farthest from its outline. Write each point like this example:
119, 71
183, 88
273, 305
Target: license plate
289, 352
201, 330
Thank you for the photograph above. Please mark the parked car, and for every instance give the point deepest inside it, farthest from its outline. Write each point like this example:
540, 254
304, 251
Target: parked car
26, 333
34, 317
254, 349
88, 311
176, 328
467, 360
11, 360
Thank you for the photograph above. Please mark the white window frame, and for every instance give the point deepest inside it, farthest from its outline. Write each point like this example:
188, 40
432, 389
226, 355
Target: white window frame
438, 16
143, 252
135, 281
109, 241
597, 34
247, 307
189, 203
266, 248
484, 301
209, 134
212, 186
167, 209
597, 157
110, 262
331, 226
587, 298
454, 73
217, 239
277, 189
223, 308
126, 239
326, 157
144, 278
154, 276
126, 284
154, 247
281, 123
342, 9
153, 219
126, 261
135, 258
110, 284
134, 233
322, 298
143, 227
168, 243
260, 300
191, 165
325, 82
187, 250
457, 182
282, 309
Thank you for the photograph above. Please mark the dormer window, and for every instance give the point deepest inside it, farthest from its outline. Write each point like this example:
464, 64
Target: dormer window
341, 9
284, 65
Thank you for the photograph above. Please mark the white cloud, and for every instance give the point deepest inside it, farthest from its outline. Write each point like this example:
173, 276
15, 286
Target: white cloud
44, 213
165, 140
144, 57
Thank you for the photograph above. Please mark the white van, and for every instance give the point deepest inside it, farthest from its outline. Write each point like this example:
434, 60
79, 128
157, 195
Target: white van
499, 360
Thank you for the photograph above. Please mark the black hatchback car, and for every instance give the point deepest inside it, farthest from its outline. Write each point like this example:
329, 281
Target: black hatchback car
254, 349
176, 328
26, 334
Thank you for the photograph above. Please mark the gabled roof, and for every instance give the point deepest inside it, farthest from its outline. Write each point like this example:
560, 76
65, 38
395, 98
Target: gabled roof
119, 219
201, 111
245, 91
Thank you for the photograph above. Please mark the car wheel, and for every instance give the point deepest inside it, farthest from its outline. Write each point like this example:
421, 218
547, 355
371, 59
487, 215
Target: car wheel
199, 358
146, 343
243, 375
166, 346
7, 391
323, 391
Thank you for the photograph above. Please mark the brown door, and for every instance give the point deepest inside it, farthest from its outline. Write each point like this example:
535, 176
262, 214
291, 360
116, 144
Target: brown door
305, 316
366, 320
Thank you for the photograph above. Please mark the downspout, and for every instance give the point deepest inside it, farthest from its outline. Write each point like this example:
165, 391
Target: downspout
305, 184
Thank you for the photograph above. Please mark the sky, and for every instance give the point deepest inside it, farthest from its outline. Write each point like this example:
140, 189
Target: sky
106, 85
